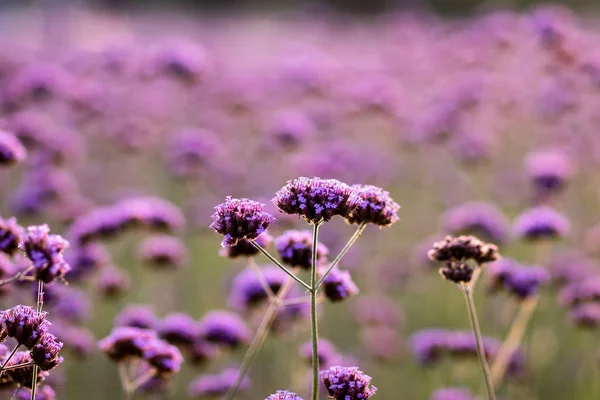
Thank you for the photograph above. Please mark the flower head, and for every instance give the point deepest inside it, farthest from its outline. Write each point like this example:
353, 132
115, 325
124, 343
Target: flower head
477, 218
317, 200
11, 235
216, 385
338, 285
12, 150
284, 395
112, 281
136, 316
125, 342
86, 259
46, 253
295, 249
347, 383
585, 315
23, 376
238, 219
25, 325
163, 251
178, 329
224, 328
45, 353
246, 291
540, 223
377, 207
463, 248
524, 282
163, 356
549, 170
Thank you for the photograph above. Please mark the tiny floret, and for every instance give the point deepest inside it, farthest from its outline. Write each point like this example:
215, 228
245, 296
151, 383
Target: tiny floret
238, 219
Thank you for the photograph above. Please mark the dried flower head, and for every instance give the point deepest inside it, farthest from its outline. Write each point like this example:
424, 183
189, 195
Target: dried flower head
377, 207
463, 248
541, 223
45, 252
25, 325
317, 200
347, 383
11, 235
295, 249
284, 395
238, 219
457, 272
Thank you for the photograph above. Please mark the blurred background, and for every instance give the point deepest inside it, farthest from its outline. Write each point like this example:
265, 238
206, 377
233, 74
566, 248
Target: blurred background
442, 103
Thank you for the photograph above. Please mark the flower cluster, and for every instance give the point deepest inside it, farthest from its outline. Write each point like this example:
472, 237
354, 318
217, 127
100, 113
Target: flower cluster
377, 207
295, 249
347, 383
46, 253
239, 219
518, 280
284, 395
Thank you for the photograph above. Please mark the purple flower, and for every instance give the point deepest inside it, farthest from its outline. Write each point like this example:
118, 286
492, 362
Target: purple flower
244, 248
86, 259
100, 223
224, 328
328, 354
216, 385
126, 342
42, 393
540, 223
191, 150
163, 251
316, 199
112, 281
238, 219
548, 170
570, 266
479, 219
71, 304
497, 273
45, 353
246, 290
295, 249
178, 329
347, 383
377, 207
289, 129
452, 394
45, 252
25, 325
338, 285
153, 213
182, 61
580, 292
137, 316
202, 351
525, 281
80, 341
23, 376
585, 315
284, 395
12, 150
11, 234
164, 357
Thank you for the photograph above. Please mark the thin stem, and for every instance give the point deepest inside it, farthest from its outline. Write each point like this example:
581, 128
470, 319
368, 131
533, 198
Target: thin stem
16, 276
123, 375
278, 264
468, 294
40, 304
261, 279
300, 300
145, 377
12, 353
16, 393
23, 365
259, 337
343, 252
513, 339
314, 330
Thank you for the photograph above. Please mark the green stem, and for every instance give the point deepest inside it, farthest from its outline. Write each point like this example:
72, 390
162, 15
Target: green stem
489, 385
259, 337
343, 252
40, 304
12, 353
278, 264
313, 314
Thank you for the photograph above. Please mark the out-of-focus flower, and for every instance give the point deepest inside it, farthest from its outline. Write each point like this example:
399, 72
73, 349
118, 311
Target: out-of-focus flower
338, 285
381, 342
216, 385
577, 292
586, 315
178, 329
224, 328
246, 290
295, 249
452, 394
540, 223
190, 151
328, 354
377, 311
548, 170
290, 129
126, 342
137, 316
85, 260
11, 234
477, 218
112, 281
238, 219
525, 281
42, 393
12, 150
163, 251
164, 357
317, 200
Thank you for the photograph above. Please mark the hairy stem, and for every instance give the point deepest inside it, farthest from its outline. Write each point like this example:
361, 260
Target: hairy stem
343, 252
39, 305
278, 264
259, 337
489, 385
314, 331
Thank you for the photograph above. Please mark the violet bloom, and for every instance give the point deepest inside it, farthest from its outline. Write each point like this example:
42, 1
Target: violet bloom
244, 248
477, 218
12, 150
428, 345
189, 151
24, 376
86, 259
290, 129
540, 223
377, 207
338, 285
45, 252
295, 249
163, 251
328, 354
548, 170
182, 61
137, 316
202, 351
79, 341
11, 234
73, 305
224, 328
153, 213
284, 395
112, 281
580, 292
585, 315
164, 357
452, 394
526, 281
570, 266
126, 342
247, 293
42, 393
178, 329
45, 353
25, 325
497, 273
238, 219
216, 385
347, 383
100, 223
317, 200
